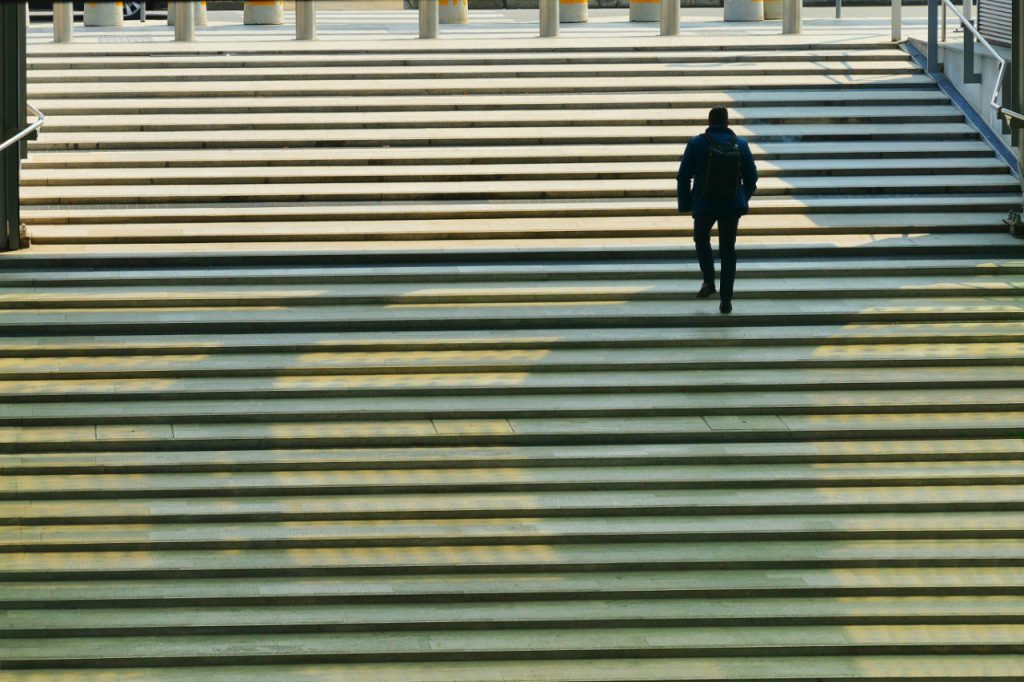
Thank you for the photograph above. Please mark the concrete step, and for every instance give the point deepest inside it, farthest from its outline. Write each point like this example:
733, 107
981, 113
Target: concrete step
798, 270
488, 84
511, 383
606, 152
903, 475
898, 65
653, 116
881, 583
499, 405
556, 533
36, 516
552, 643
413, 317
283, 103
345, 58
526, 615
826, 668
113, 294
791, 168
84, 567
496, 135
508, 190
988, 203
329, 458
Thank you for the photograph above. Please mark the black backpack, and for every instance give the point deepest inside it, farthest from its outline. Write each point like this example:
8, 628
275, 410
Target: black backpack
722, 170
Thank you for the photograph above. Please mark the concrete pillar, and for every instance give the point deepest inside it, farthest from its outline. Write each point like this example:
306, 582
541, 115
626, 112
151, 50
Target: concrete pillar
572, 11
263, 12
548, 18
199, 11
104, 14
184, 21
792, 16
645, 10
669, 17
305, 20
453, 11
63, 22
897, 20
772, 9
428, 19
744, 10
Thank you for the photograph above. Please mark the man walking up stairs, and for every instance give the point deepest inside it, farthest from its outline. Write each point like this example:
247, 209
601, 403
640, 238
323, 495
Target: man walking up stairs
724, 177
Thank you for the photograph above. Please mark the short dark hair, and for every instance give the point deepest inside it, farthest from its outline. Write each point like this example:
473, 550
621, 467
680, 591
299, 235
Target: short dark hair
719, 116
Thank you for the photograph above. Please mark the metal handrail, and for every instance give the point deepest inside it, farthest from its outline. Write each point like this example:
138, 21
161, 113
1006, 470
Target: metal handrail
36, 125
997, 93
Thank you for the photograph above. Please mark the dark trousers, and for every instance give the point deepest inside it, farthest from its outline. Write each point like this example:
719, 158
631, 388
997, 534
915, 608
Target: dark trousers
727, 227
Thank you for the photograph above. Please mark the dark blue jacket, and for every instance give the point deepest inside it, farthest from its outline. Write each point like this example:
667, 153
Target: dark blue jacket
692, 170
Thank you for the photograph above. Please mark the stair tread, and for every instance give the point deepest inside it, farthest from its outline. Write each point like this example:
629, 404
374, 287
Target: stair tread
462, 560
823, 499
595, 612
544, 189
113, 158
953, 667
467, 479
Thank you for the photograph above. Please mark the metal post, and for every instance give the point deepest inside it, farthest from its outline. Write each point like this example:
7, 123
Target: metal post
897, 20
305, 20
428, 18
549, 18
185, 21
933, 36
142, 11
63, 22
669, 17
12, 120
839, 9
970, 75
792, 19
945, 15
1016, 95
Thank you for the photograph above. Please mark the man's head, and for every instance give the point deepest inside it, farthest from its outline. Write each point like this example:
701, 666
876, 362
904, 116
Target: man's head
719, 116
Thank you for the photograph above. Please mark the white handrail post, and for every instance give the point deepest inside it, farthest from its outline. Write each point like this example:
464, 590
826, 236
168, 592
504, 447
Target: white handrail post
305, 20
63, 22
792, 20
669, 17
549, 18
429, 18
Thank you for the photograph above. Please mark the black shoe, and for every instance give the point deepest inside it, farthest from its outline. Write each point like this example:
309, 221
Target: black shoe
725, 307
706, 290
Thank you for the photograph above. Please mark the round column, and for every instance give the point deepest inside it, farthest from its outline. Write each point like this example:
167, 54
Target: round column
200, 12
548, 18
104, 14
572, 11
645, 10
185, 21
744, 10
772, 9
428, 18
263, 12
305, 20
453, 11
63, 22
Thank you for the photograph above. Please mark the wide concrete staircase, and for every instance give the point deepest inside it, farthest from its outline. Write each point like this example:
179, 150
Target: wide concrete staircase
384, 364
